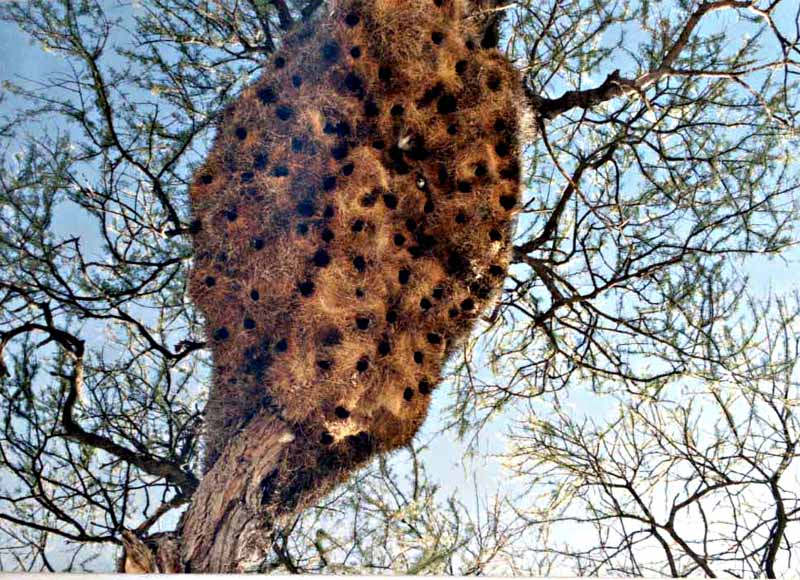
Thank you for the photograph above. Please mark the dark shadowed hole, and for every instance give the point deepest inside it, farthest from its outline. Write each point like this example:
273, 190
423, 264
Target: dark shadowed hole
385, 73
453, 312
390, 200
352, 19
362, 322
327, 235
361, 444
267, 95
254, 295
341, 412
221, 333
249, 324
461, 218
499, 125
282, 345
280, 171
510, 172
371, 108
369, 199
328, 182
425, 304
357, 226
297, 80
495, 236
452, 129
434, 338
355, 52
496, 270
330, 51
403, 276
359, 263
419, 357
442, 174
490, 38
321, 258
306, 288
437, 37
241, 133
493, 83
247, 176
461, 67
284, 112
447, 104
482, 292
418, 151
326, 438
501, 149
340, 151
206, 178
508, 201
480, 170
348, 169
464, 186
424, 387
257, 243
408, 394
379, 144
411, 225
427, 241
391, 316
231, 214
431, 95
324, 364
438, 293
395, 153
396, 110
329, 212
297, 144
353, 82
359, 293
468, 304
399, 239
401, 167
362, 365
302, 229
332, 337
210, 281
343, 129
280, 62
384, 348
260, 161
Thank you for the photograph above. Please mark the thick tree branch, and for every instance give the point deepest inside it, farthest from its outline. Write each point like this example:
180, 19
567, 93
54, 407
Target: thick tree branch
185, 480
616, 85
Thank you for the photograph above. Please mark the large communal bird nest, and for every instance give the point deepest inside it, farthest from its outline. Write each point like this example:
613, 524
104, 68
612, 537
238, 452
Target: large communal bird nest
350, 223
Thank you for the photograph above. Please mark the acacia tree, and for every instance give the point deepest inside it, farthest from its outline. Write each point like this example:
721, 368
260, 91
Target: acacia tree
659, 157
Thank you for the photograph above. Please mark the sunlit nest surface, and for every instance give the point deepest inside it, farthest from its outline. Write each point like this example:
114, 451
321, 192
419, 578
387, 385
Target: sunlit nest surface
351, 221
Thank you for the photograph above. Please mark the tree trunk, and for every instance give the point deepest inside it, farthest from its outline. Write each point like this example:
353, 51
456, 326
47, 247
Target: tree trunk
226, 526
265, 475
